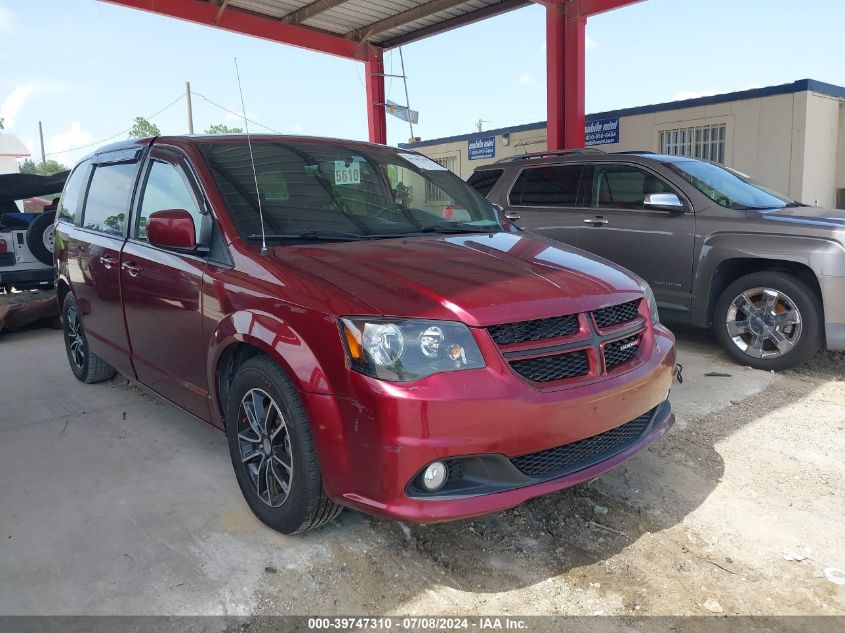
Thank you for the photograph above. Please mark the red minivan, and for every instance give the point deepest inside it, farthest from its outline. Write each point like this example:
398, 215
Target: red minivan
367, 330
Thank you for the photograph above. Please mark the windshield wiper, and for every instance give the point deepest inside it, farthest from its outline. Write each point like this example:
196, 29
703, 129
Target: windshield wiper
332, 236
459, 228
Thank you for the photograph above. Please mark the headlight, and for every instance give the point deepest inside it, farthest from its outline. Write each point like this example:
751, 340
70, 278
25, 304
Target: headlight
408, 349
652, 304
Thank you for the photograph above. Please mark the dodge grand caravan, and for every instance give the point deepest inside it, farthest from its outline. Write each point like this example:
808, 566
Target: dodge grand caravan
366, 329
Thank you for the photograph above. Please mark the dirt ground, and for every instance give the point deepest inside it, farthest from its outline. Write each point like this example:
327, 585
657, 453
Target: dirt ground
139, 513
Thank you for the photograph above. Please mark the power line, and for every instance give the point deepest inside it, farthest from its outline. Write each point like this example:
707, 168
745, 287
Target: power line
240, 116
121, 133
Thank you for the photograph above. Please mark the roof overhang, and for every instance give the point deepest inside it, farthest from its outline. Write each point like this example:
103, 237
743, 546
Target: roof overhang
345, 27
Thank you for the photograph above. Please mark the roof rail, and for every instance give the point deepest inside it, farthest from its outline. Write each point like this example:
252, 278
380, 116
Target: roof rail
551, 154
635, 151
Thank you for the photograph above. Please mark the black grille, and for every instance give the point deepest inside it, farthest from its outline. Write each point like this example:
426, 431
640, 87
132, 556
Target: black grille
614, 315
620, 351
510, 333
583, 453
548, 368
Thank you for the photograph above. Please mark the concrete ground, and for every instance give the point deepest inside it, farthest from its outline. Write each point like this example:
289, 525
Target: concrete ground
112, 502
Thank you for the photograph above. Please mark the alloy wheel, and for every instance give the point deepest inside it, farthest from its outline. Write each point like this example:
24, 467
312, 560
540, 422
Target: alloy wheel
764, 323
75, 339
265, 447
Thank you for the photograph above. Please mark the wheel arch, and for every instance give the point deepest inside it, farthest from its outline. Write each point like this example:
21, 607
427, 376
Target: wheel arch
727, 257
244, 335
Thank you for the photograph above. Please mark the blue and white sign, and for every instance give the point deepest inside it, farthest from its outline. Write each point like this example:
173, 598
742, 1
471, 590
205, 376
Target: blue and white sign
601, 132
481, 148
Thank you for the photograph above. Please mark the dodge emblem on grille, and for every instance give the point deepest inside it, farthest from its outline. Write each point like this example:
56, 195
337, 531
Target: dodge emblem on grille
628, 345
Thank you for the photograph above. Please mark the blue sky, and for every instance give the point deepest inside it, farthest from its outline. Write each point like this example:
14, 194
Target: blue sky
86, 68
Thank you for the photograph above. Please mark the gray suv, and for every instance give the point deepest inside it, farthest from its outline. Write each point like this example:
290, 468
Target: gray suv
765, 272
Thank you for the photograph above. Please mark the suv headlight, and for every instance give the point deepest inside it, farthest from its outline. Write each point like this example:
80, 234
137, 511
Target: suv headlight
408, 349
652, 303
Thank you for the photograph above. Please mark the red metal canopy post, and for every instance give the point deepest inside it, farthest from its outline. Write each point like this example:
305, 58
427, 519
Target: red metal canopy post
565, 44
376, 114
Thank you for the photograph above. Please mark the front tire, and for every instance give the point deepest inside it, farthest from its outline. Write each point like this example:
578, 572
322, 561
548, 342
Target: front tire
768, 320
272, 450
85, 364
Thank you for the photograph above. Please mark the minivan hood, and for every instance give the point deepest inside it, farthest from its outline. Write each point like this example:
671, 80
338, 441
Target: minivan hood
480, 279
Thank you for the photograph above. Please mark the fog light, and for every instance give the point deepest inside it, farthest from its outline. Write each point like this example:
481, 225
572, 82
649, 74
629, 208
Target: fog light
434, 476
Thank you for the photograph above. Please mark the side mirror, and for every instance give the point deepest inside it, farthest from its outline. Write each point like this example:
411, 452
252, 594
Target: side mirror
173, 228
668, 201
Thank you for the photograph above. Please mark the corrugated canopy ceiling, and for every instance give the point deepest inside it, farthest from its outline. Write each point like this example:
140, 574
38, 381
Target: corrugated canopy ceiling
386, 23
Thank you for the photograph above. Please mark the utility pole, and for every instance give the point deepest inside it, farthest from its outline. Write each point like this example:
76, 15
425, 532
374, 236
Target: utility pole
479, 125
41, 136
407, 100
190, 107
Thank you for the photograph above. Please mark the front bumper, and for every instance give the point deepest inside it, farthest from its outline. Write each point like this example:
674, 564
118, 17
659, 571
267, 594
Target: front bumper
374, 442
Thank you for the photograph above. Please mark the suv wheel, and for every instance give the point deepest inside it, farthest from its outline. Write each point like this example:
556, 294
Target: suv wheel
86, 365
39, 237
272, 450
768, 320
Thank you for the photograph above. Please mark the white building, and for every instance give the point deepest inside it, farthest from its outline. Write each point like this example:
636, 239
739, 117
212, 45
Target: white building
11, 149
789, 137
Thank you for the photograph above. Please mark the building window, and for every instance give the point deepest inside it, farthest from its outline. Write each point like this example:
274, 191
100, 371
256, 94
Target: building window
434, 193
699, 141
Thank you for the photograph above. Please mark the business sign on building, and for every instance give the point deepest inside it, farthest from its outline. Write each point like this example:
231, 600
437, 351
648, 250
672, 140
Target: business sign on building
481, 148
601, 132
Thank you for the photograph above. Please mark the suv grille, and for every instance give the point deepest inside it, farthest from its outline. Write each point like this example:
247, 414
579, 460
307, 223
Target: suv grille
614, 315
523, 331
621, 351
583, 453
548, 368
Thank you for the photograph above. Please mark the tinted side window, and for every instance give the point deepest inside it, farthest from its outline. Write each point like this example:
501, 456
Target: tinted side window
547, 186
167, 188
624, 186
70, 205
484, 180
108, 198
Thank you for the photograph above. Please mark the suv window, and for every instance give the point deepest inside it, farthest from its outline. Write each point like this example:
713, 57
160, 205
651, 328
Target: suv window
108, 198
167, 187
484, 180
70, 204
547, 186
624, 186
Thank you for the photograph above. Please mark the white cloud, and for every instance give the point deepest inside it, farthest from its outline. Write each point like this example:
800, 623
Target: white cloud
6, 20
74, 136
527, 79
14, 102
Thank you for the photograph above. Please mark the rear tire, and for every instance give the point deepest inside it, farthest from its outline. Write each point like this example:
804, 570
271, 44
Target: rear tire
85, 365
769, 320
272, 450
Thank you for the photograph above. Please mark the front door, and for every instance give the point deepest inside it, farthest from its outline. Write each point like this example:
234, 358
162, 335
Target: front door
657, 244
162, 290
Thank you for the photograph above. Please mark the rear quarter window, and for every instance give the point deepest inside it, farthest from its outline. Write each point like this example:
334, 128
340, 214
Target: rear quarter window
70, 205
484, 180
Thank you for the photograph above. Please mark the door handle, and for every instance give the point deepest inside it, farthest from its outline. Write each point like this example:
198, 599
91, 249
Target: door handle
513, 215
107, 261
132, 269
598, 220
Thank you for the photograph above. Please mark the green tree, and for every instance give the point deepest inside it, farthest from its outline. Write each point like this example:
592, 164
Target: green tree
2, 120
141, 127
29, 166
220, 128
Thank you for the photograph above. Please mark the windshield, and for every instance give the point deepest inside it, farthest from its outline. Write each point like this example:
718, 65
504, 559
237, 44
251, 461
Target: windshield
727, 187
312, 190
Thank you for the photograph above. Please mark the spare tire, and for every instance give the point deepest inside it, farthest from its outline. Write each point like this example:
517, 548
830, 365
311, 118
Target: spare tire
39, 237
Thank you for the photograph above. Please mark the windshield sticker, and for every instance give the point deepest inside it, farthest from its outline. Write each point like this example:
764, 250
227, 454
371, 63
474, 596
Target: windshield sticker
423, 162
347, 173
